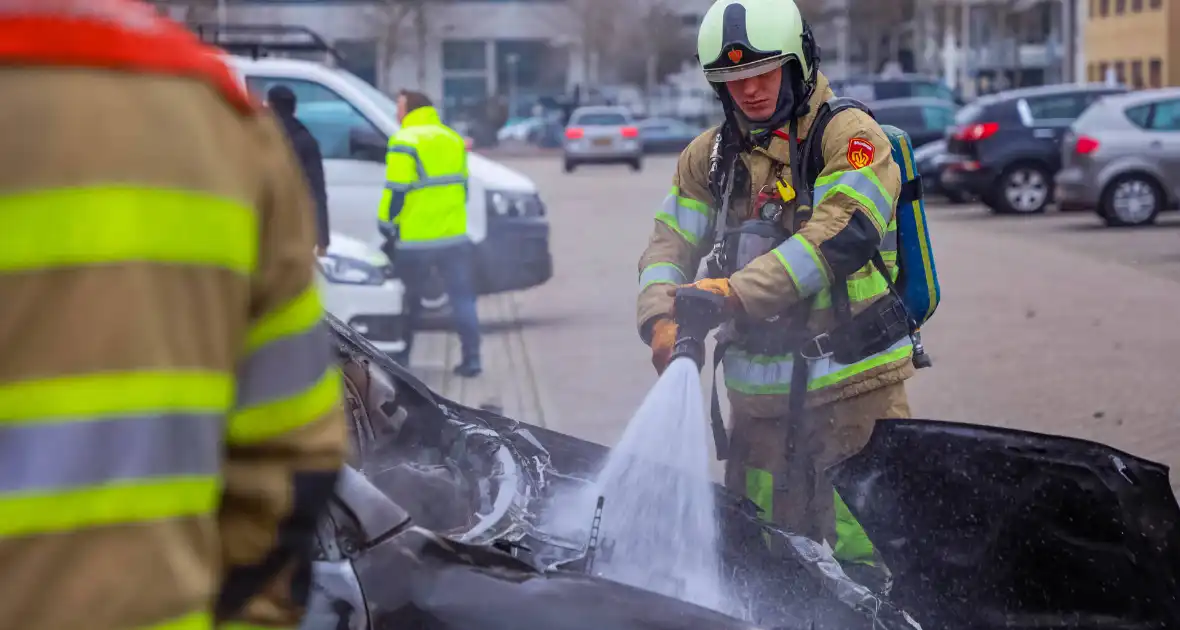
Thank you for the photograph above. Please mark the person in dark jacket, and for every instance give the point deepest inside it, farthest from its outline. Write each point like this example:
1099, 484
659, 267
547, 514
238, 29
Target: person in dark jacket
281, 100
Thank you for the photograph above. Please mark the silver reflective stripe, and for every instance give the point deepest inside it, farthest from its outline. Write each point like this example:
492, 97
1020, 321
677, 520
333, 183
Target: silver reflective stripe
690, 222
429, 182
435, 243
442, 180
284, 367
889, 243
743, 373
53, 456
424, 181
412, 152
661, 273
860, 183
803, 265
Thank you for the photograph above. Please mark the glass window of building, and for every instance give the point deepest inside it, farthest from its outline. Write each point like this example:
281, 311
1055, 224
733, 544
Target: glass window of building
1155, 73
1103, 8
1120, 7
464, 54
1137, 74
1136, 6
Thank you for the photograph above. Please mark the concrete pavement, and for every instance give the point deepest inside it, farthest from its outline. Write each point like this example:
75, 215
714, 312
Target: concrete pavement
1050, 324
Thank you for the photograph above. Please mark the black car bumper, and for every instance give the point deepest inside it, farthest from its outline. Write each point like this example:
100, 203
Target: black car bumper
970, 179
514, 256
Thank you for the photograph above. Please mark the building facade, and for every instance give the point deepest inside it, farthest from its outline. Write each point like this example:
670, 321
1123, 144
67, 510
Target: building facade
1133, 42
467, 54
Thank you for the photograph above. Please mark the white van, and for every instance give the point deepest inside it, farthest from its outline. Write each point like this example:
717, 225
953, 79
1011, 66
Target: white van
352, 121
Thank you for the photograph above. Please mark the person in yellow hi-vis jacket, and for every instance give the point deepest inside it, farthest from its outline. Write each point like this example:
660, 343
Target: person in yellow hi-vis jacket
171, 421
423, 215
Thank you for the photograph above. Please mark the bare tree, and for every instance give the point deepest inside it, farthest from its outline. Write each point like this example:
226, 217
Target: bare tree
393, 19
879, 27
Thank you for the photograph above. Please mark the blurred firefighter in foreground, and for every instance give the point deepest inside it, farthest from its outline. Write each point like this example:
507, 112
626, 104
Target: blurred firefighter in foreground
170, 420
793, 273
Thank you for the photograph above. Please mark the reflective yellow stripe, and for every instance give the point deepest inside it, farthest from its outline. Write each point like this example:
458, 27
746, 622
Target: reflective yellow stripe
688, 217
763, 374
866, 284
852, 542
80, 397
23, 515
803, 264
863, 186
661, 273
192, 621
760, 490
261, 423
111, 224
297, 316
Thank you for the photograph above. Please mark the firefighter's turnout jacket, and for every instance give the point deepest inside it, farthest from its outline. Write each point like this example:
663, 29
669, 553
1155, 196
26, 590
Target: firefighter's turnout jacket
778, 461
169, 416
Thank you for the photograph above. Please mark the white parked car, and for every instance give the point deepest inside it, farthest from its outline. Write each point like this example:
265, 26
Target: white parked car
359, 288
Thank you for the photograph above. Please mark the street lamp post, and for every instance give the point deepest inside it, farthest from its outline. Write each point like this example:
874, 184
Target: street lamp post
512, 59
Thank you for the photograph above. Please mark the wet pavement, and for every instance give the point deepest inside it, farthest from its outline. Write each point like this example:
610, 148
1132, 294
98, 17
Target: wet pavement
1051, 323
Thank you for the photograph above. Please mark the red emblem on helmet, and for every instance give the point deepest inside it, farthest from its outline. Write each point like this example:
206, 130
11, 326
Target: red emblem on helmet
735, 55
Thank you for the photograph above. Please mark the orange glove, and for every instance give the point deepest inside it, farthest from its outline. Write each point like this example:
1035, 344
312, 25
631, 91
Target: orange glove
718, 286
663, 338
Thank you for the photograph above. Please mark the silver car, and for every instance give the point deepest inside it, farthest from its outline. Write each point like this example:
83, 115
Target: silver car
1121, 157
602, 135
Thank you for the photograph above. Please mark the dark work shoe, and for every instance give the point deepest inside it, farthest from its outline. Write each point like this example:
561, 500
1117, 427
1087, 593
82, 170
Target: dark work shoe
469, 368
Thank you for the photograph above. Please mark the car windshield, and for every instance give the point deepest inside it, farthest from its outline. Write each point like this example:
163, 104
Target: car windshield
600, 118
387, 105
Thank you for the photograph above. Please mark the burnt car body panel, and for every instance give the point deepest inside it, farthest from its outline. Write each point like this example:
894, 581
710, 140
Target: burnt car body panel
983, 528
511, 572
986, 527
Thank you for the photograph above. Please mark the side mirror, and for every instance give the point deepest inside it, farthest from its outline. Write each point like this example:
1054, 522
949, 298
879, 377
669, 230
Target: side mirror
367, 145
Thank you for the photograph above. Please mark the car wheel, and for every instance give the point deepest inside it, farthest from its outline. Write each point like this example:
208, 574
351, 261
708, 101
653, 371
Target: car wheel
569, 166
1131, 200
637, 165
1023, 189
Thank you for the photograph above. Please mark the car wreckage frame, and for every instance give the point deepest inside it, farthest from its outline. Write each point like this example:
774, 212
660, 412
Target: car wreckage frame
436, 525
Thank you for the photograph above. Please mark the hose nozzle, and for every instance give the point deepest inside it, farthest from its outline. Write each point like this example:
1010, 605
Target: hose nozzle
697, 312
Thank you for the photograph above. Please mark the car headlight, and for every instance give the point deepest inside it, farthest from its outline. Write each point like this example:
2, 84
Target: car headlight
514, 204
343, 270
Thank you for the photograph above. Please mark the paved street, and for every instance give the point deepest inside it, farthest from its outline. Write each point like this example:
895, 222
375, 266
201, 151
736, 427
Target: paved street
1047, 323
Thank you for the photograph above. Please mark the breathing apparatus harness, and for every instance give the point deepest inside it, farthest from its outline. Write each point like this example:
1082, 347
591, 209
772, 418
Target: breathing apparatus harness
854, 337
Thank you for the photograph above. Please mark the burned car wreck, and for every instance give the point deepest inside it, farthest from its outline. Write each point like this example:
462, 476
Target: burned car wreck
438, 523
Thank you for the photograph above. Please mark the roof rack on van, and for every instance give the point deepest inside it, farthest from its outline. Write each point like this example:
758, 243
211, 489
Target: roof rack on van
262, 40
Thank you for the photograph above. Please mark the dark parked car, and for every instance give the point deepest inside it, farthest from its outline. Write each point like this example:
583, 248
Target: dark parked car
1006, 147
925, 119
880, 88
930, 159
666, 135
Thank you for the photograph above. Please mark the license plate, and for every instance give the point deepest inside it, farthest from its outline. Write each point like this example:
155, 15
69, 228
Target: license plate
602, 142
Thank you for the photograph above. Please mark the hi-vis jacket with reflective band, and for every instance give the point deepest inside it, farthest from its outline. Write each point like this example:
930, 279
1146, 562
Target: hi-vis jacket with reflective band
852, 217
166, 391
426, 170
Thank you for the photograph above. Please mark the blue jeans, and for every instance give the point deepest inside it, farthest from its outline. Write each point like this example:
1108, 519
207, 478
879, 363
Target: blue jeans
453, 263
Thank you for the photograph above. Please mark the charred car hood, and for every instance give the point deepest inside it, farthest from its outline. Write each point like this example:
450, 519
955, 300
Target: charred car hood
998, 528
